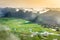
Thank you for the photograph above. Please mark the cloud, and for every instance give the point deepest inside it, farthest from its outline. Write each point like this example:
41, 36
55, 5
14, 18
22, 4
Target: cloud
30, 3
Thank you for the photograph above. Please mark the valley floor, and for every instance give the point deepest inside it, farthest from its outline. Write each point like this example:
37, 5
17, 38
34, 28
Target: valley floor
26, 30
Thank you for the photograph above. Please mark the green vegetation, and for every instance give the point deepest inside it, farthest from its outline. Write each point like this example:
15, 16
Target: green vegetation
24, 29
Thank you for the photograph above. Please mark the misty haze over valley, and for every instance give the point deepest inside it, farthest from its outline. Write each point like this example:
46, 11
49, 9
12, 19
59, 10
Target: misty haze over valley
29, 23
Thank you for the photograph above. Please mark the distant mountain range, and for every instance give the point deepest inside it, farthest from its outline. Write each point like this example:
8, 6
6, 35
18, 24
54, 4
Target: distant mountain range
45, 16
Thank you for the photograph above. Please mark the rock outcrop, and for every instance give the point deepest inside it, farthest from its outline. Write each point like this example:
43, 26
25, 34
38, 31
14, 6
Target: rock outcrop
5, 34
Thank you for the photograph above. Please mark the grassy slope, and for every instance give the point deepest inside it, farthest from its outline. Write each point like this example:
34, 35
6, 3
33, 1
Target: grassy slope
20, 27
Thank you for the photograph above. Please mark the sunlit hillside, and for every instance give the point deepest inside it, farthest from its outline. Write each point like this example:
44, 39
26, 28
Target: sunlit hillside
26, 30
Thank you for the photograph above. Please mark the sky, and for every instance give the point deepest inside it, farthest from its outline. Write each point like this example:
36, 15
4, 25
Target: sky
30, 3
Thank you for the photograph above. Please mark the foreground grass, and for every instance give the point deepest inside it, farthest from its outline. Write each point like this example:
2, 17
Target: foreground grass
24, 29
